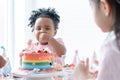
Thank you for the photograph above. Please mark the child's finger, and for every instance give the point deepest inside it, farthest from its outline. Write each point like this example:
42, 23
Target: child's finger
87, 62
82, 61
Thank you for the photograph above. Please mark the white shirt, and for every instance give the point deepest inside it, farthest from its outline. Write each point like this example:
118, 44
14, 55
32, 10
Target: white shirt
110, 66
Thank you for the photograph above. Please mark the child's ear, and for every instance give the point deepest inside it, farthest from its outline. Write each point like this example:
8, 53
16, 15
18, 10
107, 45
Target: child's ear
105, 6
55, 32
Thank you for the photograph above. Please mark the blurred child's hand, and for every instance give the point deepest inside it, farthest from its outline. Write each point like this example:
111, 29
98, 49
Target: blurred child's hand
2, 62
84, 66
44, 38
81, 71
29, 42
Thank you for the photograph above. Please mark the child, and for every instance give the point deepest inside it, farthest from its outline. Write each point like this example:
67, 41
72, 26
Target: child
2, 62
44, 22
107, 17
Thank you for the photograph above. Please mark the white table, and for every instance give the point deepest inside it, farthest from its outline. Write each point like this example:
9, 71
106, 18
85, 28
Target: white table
42, 76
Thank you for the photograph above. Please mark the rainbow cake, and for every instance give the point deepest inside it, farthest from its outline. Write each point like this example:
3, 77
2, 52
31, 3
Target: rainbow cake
40, 59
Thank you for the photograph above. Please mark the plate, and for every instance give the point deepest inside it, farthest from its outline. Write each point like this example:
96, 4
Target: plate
40, 75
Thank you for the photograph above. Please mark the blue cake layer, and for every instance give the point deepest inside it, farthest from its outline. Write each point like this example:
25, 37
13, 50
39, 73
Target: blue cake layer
40, 65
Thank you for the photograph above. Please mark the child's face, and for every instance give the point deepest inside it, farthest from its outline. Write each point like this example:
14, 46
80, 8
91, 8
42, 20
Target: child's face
102, 15
44, 28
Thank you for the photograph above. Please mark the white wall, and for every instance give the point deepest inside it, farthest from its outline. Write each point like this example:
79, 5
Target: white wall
2, 21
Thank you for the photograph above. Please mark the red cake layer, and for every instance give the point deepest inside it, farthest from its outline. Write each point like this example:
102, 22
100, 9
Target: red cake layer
38, 57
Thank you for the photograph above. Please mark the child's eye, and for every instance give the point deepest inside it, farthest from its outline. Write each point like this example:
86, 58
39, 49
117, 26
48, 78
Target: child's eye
47, 28
38, 28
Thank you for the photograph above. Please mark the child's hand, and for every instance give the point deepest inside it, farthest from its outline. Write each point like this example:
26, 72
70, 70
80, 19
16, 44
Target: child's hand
81, 71
29, 42
84, 66
2, 62
44, 38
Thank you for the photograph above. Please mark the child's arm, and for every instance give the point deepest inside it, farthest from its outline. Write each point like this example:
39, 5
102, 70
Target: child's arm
57, 46
2, 62
20, 59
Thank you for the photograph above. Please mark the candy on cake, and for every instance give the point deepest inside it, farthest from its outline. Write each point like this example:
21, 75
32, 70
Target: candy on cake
69, 66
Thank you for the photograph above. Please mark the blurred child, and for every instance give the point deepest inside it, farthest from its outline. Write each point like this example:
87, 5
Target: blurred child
2, 62
107, 17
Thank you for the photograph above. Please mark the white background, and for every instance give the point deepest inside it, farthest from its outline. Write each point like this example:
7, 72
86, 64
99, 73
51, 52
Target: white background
77, 27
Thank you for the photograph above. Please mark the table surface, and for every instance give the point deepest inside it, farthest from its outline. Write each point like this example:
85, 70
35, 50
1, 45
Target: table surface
39, 75
46, 76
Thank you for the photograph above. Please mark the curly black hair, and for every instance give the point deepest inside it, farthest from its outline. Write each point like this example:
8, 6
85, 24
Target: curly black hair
43, 12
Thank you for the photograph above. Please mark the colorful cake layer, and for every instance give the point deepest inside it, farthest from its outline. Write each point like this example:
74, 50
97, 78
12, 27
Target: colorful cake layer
39, 65
40, 59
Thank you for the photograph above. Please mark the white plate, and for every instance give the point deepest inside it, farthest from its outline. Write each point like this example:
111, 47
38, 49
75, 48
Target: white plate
40, 75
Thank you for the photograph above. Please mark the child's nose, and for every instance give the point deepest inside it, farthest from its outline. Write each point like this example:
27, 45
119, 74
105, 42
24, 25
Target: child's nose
42, 30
